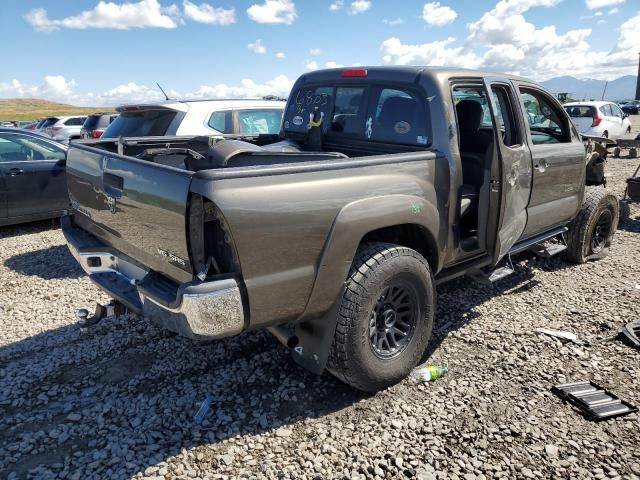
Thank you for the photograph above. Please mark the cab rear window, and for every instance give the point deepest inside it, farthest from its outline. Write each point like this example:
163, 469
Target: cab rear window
375, 113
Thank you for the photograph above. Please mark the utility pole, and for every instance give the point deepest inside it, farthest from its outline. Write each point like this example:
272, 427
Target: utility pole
638, 80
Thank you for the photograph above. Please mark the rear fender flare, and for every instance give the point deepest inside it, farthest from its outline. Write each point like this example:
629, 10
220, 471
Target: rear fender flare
350, 226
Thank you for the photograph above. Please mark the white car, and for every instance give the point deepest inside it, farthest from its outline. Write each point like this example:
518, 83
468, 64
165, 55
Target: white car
197, 117
599, 119
63, 129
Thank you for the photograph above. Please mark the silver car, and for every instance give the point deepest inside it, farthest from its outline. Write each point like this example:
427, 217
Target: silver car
63, 129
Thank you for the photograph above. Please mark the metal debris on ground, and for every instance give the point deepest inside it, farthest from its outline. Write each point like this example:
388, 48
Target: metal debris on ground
631, 332
202, 411
428, 373
593, 401
570, 336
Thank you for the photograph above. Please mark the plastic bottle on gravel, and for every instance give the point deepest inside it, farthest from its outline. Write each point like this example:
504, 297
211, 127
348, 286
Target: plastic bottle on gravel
428, 373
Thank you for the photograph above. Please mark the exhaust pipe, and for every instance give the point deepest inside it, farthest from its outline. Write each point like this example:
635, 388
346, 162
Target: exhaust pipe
284, 335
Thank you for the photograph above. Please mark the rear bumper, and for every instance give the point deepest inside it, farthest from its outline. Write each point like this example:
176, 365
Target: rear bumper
200, 310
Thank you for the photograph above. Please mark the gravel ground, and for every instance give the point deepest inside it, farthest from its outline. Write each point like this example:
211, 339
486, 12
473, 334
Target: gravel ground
117, 401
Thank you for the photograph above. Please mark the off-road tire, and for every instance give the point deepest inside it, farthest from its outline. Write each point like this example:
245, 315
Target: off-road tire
598, 203
376, 267
625, 211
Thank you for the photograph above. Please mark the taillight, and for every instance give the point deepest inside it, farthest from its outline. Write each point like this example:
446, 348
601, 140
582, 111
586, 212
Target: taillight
354, 72
96, 133
596, 120
54, 129
131, 108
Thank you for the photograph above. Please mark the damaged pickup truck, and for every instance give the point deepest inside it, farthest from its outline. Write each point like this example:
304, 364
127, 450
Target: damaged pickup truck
383, 183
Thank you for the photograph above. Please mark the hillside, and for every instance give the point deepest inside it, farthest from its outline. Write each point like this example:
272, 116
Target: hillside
622, 88
32, 108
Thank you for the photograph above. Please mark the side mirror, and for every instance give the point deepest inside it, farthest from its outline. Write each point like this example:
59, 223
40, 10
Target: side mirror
62, 162
625, 115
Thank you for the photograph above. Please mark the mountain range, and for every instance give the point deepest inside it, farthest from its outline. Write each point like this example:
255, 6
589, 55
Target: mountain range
622, 88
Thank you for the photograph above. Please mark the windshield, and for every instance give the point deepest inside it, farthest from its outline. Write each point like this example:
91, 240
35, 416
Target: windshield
141, 123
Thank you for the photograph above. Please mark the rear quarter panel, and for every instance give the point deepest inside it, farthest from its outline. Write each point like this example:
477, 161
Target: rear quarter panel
281, 222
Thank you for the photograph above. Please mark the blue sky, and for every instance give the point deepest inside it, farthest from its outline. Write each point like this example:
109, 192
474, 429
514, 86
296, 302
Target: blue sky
90, 52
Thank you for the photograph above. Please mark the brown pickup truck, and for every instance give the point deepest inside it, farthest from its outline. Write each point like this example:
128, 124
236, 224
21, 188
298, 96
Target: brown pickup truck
383, 183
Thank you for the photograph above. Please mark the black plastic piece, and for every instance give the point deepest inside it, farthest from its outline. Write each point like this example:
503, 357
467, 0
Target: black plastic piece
632, 332
593, 401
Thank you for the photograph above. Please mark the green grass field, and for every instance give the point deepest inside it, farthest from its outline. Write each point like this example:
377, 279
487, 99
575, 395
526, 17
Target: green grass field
32, 108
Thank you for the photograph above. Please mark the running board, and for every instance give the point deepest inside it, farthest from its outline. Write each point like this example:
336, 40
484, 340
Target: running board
530, 242
494, 275
548, 251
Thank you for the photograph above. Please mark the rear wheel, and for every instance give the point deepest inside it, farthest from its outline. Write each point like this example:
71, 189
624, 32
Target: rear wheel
605, 134
591, 232
629, 129
385, 318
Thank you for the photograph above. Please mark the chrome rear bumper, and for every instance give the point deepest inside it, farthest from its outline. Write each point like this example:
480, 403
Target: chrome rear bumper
201, 310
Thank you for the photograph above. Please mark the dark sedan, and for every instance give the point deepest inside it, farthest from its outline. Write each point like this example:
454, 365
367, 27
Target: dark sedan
33, 183
632, 107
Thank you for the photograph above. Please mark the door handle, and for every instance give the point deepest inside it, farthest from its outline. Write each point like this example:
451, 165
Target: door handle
14, 172
113, 185
542, 165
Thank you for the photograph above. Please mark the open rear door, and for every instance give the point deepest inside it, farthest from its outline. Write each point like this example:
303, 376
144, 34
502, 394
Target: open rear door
513, 176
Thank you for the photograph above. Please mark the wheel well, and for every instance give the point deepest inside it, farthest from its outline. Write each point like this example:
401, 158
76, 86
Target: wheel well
408, 235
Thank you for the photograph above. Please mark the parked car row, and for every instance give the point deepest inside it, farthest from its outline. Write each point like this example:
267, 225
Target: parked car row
32, 158
632, 107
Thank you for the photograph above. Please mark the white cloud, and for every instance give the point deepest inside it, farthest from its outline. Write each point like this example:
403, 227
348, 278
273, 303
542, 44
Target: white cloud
273, 11
595, 4
337, 5
613, 11
359, 6
436, 53
393, 22
281, 55
119, 16
248, 88
257, 47
333, 65
311, 65
315, 51
629, 38
57, 88
205, 13
438, 15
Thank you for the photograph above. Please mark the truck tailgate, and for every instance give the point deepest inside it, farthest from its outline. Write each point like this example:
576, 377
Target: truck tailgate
135, 206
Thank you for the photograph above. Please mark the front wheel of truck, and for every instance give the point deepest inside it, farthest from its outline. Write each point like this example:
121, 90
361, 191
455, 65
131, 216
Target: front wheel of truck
591, 232
385, 317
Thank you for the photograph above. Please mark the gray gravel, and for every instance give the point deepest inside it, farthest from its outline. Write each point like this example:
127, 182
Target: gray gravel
117, 401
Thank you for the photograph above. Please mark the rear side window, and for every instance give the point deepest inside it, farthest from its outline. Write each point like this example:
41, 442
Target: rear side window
606, 110
221, 121
74, 121
142, 123
257, 122
581, 111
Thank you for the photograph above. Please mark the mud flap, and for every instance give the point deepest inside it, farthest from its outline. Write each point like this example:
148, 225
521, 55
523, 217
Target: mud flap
315, 338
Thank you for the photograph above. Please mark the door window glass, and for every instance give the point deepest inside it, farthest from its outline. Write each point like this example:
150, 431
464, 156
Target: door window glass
24, 148
544, 119
606, 110
504, 112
